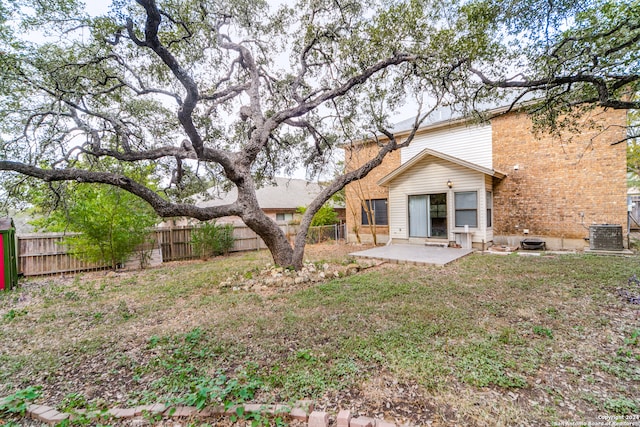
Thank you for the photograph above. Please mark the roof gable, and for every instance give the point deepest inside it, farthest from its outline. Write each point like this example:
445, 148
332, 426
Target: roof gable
429, 152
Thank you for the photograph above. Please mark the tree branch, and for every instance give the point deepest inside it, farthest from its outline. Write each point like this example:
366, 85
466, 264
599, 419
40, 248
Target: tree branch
161, 206
305, 107
599, 83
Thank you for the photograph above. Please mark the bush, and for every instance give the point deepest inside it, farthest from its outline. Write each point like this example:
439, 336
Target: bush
326, 215
318, 231
211, 239
111, 223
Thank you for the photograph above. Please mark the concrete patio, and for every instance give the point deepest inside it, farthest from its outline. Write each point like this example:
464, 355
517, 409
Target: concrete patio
414, 254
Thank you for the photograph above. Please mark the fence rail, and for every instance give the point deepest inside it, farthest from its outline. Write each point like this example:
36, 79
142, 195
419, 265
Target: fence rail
46, 253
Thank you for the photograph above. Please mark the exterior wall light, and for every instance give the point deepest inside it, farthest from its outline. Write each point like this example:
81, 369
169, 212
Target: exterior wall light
449, 184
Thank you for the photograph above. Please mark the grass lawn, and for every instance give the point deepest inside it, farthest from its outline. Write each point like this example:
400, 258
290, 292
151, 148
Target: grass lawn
487, 340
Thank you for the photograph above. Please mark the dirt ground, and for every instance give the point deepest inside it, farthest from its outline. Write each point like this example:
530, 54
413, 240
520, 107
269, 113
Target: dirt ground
106, 378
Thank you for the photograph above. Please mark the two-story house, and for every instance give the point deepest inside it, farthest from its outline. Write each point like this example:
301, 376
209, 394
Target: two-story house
493, 183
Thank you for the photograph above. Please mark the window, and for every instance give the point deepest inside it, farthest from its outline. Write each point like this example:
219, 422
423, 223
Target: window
284, 217
378, 212
489, 209
467, 209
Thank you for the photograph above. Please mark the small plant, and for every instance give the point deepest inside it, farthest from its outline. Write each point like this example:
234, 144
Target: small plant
481, 365
541, 330
18, 402
124, 311
623, 406
552, 312
193, 336
510, 336
634, 339
12, 314
256, 418
73, 401
306, 355
349, 260
224, 390
153, 341
630, 349
71, 296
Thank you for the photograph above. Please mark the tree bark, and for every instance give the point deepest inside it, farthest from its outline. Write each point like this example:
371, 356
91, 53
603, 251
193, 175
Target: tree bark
273, 237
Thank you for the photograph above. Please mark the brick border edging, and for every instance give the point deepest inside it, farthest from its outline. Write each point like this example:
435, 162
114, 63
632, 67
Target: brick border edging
301, 411
52, 416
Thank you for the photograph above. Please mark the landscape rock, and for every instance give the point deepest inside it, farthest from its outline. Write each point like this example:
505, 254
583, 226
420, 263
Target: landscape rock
273, 278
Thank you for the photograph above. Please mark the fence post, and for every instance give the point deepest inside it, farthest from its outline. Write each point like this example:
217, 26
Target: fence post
171, 247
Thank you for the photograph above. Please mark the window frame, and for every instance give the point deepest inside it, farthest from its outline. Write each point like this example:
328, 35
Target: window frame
284, 214
372, 204
465, 209
489, 202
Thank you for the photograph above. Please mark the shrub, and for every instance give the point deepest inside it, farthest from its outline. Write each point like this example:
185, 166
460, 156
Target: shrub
326, 215
211, 239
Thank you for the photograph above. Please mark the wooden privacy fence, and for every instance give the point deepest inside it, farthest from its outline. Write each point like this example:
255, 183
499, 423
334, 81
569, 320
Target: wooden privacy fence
175, 242
45, 253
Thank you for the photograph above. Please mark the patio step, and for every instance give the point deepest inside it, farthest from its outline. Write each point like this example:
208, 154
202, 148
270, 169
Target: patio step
437, 244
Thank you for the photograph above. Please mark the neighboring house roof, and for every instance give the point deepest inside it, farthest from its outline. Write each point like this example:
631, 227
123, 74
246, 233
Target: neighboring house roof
429, 152
6, 224
287, 193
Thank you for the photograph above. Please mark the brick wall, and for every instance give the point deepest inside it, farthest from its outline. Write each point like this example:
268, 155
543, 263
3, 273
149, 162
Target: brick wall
563, 184
366, 188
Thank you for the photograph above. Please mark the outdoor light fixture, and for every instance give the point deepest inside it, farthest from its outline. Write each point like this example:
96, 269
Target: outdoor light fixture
449, 184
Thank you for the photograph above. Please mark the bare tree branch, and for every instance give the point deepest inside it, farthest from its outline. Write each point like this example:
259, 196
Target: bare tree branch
160, 205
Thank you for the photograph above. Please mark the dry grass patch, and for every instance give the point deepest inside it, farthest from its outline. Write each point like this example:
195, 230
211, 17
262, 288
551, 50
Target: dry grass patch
485, 341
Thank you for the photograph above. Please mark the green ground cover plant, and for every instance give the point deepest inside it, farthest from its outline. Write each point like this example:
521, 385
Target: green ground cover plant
487, 340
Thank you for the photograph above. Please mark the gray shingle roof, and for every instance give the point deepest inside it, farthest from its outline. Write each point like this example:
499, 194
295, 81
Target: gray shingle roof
287, 193
6, 223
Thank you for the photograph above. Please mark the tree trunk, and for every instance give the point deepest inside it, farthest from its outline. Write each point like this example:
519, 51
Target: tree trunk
301, 238
298, 253
273, 237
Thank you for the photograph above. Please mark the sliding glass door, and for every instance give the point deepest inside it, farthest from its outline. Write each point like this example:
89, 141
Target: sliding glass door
418, 219
428, 215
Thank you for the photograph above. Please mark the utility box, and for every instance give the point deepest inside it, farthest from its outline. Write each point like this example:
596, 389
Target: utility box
8, 255
606, 237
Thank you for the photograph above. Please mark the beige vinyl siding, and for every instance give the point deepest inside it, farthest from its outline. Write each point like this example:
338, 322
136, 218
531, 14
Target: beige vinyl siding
470, 143
430, 176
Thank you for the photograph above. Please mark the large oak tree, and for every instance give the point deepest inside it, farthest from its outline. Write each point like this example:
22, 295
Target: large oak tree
232, 92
